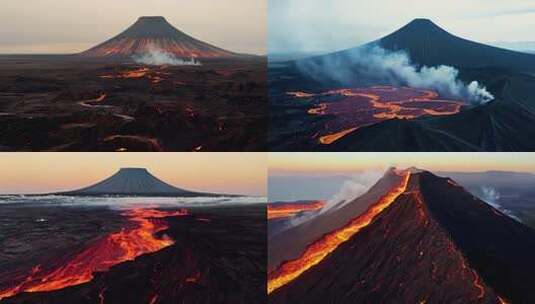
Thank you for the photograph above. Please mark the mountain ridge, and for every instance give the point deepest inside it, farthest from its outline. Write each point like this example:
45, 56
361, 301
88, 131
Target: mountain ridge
433, 232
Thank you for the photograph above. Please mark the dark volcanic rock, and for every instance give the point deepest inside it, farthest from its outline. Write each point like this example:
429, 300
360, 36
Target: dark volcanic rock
218, 257
289, 244
436, 243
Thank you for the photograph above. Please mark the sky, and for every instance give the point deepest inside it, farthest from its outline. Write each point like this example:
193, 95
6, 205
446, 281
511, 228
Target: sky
233, 173
67, 26
312, 176
322, 26
335, 164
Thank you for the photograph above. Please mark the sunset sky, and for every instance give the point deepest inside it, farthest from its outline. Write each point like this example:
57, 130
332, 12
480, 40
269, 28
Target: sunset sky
239, 173
349, 163
67, 26
321, 26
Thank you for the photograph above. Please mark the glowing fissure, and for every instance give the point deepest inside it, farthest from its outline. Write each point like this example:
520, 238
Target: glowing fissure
317, 251
125, 245
127, 47
275, 211
153, 74
476, 280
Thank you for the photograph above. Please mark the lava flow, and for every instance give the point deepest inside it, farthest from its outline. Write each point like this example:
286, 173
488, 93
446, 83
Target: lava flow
358, 107
283, 210
321, 248
154, 75
125, 245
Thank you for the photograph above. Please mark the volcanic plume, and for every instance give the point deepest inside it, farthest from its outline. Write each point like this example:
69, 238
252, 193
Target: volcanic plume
153, 36
424, 240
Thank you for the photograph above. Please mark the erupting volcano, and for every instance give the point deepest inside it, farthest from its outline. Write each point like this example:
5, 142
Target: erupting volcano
138, 238
154, 34
425, 239
356, 108
419, 88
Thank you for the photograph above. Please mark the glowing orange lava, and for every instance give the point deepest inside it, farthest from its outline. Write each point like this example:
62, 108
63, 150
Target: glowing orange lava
154, 75
301, 94
125, 245
181, 48
321, 248
275, 211
329, 139
359, 107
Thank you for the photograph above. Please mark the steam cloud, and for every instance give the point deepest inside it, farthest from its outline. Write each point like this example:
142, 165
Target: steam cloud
394, 68
353, 188
156, 56
492, 197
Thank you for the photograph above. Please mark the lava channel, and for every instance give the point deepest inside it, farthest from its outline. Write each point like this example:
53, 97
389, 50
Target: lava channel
137, 239
355, 108
286, 210
318, 250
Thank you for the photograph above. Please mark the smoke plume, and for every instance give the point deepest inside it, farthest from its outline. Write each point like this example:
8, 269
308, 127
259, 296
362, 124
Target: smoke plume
354, 187
157, 56
491, 196
379, 65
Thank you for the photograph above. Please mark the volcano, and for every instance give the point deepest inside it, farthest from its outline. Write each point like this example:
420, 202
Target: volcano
431, 241
429, 44
133, 182
505, 123
154, 33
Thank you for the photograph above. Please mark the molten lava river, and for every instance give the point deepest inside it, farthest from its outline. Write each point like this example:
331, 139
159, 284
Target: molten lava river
358, 107
318, 250
287, 210
132, 241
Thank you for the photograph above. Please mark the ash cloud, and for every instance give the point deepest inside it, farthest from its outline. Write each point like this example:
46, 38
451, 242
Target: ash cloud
156, 56
377, 64
491, 196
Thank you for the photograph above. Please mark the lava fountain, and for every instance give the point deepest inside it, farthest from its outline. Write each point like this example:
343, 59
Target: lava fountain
318, 250
286, 210
138, 238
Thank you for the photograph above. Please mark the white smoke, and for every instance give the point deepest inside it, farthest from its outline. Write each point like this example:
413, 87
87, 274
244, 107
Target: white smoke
491, 196
352, 188
156, 56
395, 68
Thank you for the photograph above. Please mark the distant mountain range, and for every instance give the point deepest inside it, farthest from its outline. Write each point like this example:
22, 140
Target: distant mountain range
519, 46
